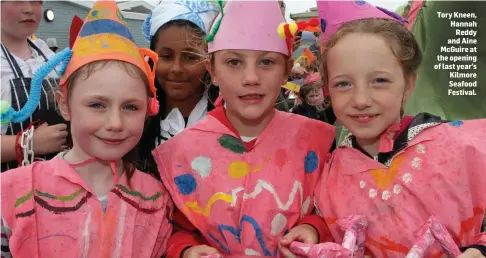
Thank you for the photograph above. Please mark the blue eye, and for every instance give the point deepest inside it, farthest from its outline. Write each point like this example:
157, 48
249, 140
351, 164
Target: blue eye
267, 62
342, 84
96, 105
131, 108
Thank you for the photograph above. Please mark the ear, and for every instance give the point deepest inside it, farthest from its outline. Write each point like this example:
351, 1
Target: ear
210, 70
63, 105
409, 87
288, 68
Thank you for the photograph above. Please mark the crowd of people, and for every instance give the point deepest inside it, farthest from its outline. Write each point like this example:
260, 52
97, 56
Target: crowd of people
198, 147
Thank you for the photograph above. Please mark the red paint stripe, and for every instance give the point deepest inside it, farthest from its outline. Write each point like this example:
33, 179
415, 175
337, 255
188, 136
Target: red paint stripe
133, 203
25, 214
59, 210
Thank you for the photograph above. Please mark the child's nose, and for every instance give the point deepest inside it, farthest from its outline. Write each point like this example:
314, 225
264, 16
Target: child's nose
250, 76
362, 98
114, 122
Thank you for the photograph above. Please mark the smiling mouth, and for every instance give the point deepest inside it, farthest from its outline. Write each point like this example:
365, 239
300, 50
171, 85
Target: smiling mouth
111, 141
363, 118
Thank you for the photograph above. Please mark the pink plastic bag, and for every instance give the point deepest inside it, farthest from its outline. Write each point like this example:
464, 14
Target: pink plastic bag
353, 242
433, 231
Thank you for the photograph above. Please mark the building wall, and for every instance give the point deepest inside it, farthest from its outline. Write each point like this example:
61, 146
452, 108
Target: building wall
64, 11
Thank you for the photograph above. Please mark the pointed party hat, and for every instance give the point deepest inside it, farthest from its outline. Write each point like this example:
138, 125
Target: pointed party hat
104, 36
248, 25
333, 14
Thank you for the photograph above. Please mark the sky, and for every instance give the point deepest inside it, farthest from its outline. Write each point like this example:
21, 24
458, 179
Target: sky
298, 6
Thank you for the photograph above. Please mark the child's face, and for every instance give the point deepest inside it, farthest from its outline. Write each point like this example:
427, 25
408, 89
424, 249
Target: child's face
21, 19
179, 70
366, 84
249, 81
315, 97
107, 112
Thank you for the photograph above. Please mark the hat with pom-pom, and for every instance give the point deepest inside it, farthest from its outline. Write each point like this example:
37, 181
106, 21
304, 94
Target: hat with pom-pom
333, 14
248, 25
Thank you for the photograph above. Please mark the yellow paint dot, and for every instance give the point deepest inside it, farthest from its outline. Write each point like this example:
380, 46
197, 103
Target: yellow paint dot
238, 169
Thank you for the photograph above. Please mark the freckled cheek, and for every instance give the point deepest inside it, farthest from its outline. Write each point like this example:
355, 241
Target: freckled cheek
135, 125
339, 103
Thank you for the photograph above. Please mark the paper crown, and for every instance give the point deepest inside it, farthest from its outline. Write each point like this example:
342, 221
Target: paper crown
103, 36
333, 14
248, 25
199, 12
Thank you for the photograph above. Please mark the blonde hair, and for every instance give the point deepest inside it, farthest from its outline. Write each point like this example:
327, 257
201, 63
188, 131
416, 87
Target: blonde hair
402, 43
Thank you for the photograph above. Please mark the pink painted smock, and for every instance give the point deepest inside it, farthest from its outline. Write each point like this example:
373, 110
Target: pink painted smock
48, 211
438, 169
243, 201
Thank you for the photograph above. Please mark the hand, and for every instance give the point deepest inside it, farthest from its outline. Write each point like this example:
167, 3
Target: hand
49, 138
471, 253
198, 251
296, 43
303, 233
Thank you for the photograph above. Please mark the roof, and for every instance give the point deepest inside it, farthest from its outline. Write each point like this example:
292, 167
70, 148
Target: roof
312, 13
132, 10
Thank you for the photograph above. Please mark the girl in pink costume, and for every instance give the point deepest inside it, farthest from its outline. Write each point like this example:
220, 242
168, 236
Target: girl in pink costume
245, 175
395, 170
90, 201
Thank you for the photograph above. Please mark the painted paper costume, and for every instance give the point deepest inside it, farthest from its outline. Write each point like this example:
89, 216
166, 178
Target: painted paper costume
426, 167
243, 201
48, 211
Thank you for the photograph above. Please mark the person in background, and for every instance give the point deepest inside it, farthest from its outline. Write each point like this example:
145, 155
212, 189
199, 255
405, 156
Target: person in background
296, 72
20, 57
312, 105
313, 102
176, 31
52, 44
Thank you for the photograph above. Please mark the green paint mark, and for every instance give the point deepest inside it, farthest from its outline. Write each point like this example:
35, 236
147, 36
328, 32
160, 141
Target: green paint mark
120, 16
232, 143
138, 194
23, 199
60, 198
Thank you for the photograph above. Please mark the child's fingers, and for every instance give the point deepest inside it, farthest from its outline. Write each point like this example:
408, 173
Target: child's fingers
285, 252
207, 250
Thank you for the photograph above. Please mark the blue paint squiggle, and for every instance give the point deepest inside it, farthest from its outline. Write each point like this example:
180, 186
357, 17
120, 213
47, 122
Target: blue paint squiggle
237, 233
